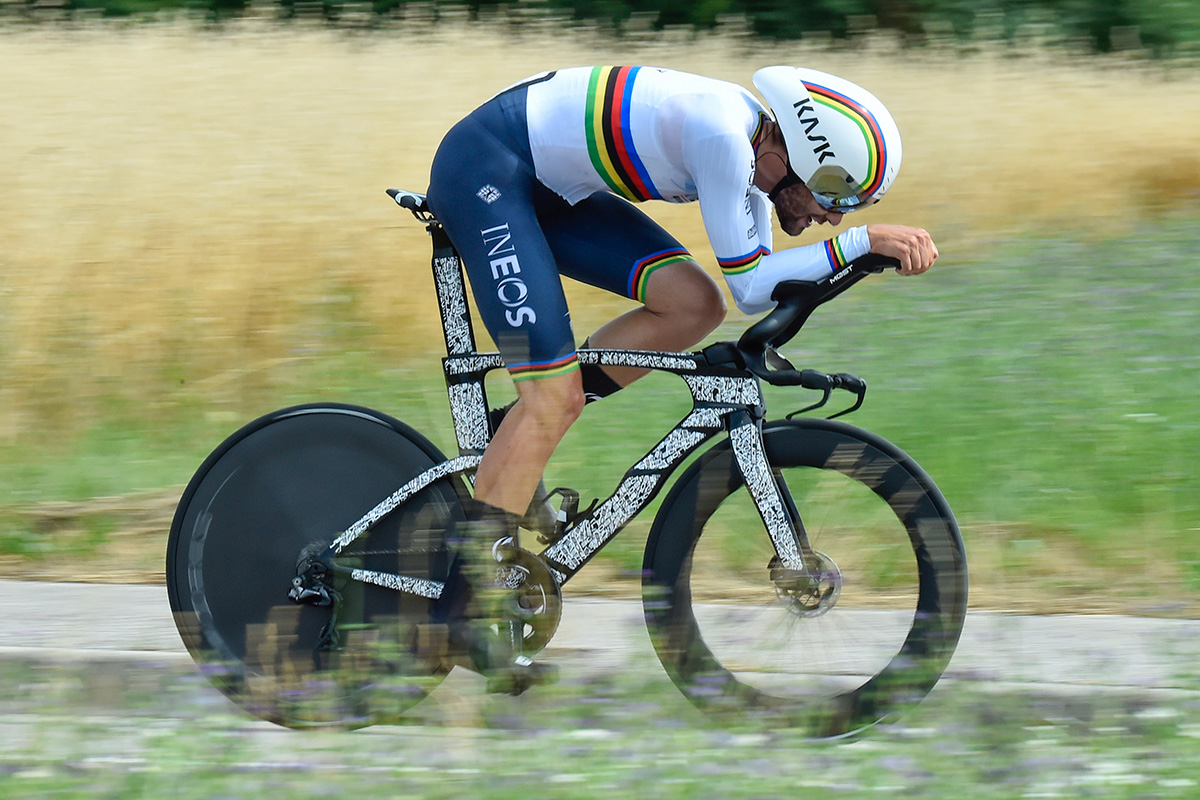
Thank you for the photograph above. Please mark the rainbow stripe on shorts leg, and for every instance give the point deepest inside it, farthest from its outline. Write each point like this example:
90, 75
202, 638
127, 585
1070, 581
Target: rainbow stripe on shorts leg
639, 276
544, 369
741, 264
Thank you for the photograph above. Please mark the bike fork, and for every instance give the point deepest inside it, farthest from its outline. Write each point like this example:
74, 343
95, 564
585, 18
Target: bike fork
770, 494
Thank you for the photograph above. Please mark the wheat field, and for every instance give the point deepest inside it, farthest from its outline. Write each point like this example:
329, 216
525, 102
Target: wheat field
182, 205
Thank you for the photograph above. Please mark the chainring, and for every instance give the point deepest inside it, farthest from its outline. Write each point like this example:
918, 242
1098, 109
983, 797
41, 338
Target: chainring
536, 600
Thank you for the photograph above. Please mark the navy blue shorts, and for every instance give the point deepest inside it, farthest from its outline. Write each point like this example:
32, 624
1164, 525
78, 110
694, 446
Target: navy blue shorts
516, 237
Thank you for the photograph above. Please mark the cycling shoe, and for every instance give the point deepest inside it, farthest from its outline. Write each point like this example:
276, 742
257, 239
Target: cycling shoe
520, 674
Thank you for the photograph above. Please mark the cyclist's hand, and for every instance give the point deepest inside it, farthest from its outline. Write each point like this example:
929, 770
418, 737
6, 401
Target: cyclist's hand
914, 247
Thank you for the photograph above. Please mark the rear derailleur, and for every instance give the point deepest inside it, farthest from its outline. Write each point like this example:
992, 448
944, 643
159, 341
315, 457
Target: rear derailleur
313, 584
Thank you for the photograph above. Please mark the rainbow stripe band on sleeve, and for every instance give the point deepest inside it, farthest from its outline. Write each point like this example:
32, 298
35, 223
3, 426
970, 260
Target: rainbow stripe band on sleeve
640, 275
833, 251
544, 369
736, 266
610, 135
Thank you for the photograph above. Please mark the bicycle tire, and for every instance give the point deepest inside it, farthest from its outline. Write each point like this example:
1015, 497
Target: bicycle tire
875, 651
291, 478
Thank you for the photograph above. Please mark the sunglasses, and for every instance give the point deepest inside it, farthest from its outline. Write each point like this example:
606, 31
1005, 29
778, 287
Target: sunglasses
828, 188
834, 189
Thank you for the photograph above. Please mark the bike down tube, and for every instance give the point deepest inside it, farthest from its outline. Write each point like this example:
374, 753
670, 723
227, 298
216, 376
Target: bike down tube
715, 399
639, 486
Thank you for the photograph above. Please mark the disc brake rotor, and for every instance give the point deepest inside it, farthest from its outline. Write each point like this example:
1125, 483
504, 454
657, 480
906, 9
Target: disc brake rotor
807, 594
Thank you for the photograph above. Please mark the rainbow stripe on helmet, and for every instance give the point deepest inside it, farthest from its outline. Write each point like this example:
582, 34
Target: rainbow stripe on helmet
877, 156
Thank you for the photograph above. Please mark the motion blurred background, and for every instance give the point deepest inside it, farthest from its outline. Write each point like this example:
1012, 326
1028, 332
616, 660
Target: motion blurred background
193, 231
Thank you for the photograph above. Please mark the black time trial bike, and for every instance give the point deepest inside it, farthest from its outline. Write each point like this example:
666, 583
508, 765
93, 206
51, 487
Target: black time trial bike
800, 570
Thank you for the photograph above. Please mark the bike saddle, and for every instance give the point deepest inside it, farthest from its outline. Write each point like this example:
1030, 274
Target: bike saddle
413, 201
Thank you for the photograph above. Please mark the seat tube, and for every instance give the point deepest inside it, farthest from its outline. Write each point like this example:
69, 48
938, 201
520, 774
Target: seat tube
467, 394
451, 294
745, 434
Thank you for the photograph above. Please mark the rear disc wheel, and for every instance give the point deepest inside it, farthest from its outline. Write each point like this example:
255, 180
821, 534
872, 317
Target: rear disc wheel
280, 489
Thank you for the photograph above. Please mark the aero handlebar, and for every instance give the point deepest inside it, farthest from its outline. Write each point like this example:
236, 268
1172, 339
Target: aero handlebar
796, 301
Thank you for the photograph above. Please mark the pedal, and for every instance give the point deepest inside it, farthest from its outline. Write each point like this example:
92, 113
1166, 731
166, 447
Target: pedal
568, 514
568, 507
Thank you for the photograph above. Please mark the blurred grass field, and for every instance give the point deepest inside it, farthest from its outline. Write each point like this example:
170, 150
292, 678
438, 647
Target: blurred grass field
106, 730
193, 231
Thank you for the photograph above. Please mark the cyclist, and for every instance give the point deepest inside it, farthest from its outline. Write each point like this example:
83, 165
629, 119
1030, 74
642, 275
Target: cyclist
541, 181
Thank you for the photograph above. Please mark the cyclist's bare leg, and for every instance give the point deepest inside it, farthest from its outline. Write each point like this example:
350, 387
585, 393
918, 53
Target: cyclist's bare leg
510, 470
683, 305
517, 455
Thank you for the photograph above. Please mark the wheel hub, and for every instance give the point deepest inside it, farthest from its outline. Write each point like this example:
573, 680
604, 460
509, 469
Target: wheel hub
313, 584
808, 593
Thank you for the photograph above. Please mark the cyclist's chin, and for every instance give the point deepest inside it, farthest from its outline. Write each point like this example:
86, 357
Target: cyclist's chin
795, 226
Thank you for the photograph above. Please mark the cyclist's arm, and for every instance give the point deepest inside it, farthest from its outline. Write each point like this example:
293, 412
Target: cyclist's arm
742, 237
737, 216
763, 212
752, 290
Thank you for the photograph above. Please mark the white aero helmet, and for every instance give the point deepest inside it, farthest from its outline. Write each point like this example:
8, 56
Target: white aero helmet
841, 141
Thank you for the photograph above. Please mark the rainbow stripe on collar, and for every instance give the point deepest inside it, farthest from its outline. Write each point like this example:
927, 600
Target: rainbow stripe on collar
609, 134
760, 132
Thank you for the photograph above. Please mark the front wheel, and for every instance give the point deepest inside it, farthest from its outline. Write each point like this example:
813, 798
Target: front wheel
863, 636
284, 486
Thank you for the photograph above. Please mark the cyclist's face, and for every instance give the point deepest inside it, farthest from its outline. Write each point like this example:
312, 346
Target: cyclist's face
798, 209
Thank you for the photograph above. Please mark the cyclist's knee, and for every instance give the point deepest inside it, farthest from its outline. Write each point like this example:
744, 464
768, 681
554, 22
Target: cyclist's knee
554, 402
573, 399
686, 294
709, 308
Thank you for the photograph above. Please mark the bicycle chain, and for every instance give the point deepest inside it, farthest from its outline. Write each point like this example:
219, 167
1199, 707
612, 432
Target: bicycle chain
414, 551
